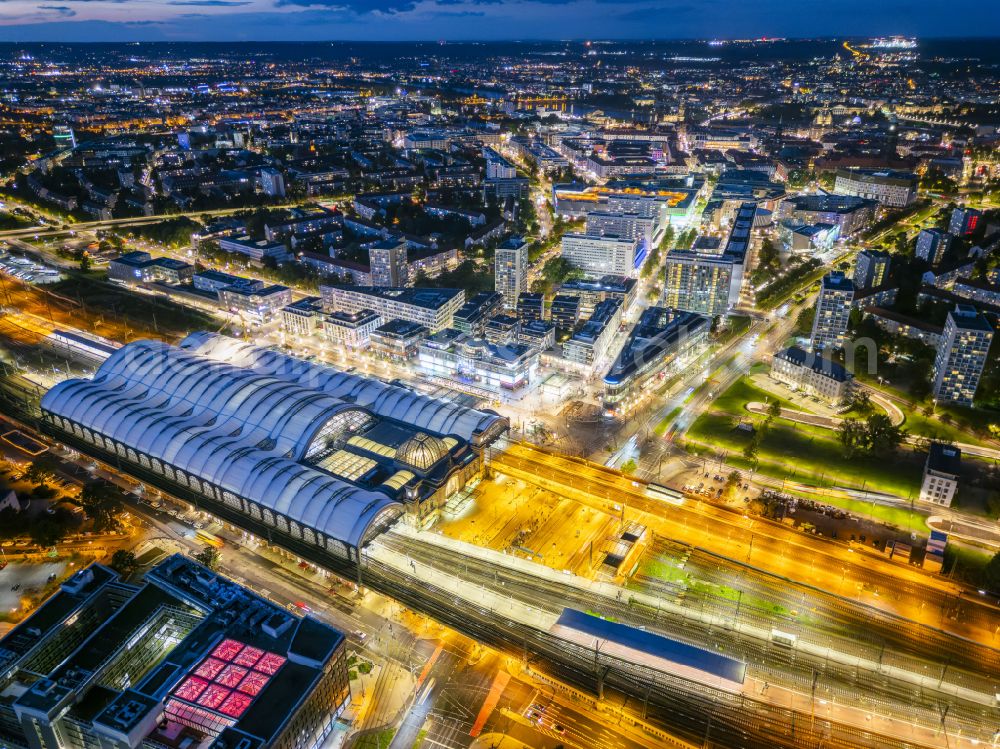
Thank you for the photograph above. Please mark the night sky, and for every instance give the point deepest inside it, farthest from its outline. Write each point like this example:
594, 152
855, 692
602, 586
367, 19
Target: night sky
308, 20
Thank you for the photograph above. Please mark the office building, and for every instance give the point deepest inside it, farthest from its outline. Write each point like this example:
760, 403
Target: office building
661, 343
141, 267
621, 225
701, 282
961, 355
476, 365
538, 334
871, 269
64, 137
887, 187
833, 311
511, 267
213, 281
813, 374
565, 311
530, 306
599, 256
186, 658
502, 329
850, 214
388, 264
472, 316
932, 244
272, 183
433, 308
398, 340
964, 221
591, 292
255, 301
351, 329
303, 318
941, 472
256, 250
588, 347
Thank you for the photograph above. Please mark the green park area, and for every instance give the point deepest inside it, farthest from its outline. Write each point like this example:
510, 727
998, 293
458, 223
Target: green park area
804, 454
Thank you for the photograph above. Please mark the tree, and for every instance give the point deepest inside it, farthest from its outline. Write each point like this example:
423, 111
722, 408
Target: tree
85, 262
123, 560
732, 484
102, 503
883, 437
852, 436
46, 531
861, 401
209, 556
773, 410
41, 469
991, 573
629, 466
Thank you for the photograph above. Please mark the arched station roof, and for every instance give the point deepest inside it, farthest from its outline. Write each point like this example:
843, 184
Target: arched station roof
238, 428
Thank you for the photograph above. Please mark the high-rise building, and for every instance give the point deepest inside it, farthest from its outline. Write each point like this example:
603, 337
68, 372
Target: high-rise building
511, 267
599, 256
961, 355
871, 269
272, 183
964, 221
833, 311
64, 137
932, 244
387, 263
184, 658
701, 282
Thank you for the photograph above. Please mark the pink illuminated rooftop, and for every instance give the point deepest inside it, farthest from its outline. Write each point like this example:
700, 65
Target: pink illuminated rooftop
228, 680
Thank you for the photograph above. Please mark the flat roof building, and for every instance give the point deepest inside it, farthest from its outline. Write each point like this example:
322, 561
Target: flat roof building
589, 345
888, 187
961, 355
478, 366
351, 329
661, 342
511, 269
941, 471
871, 269
433, 308
398, 339
185, 658
833, 311
599, 256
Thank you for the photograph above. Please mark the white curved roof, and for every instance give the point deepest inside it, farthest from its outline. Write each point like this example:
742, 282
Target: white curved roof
238, 428
383, 399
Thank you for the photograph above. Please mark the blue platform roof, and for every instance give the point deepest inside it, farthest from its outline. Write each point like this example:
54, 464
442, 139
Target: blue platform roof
656, 645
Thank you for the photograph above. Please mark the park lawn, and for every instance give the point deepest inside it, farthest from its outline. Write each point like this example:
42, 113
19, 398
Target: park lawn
741, 392
814, 457
919, 425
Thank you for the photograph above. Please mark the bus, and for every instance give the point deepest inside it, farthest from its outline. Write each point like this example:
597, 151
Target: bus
207, 538
663, 494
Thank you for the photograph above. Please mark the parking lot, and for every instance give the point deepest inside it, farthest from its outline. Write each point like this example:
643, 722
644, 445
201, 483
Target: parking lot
30, 577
